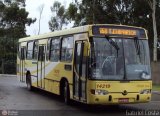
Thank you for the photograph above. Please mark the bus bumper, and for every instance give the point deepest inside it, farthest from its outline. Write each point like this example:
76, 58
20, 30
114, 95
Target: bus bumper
118, 98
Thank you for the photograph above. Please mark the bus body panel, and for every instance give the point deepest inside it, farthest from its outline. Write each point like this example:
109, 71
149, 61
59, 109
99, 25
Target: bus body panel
116, 89
54, 72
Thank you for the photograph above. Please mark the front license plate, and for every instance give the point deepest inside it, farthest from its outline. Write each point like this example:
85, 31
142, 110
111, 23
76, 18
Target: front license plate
123, 100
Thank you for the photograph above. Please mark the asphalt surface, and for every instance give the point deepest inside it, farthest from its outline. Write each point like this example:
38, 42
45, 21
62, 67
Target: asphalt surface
15, 99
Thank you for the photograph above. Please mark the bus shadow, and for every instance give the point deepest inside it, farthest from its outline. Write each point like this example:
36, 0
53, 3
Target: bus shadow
101, 109
85, 108
47, 94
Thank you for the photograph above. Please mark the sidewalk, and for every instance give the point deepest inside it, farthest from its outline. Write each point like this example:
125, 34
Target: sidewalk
7, 75
156, 92
155, 96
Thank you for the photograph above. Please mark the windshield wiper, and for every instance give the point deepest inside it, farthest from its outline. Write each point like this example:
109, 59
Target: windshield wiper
137, 46
113, 43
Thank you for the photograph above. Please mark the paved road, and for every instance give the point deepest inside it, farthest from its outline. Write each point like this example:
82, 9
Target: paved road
17, 100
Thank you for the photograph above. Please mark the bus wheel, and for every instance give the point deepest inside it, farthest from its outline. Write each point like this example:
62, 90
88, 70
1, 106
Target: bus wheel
66, 93
28, 81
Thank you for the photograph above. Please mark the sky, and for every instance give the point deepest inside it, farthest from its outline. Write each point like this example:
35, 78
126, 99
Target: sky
32, 6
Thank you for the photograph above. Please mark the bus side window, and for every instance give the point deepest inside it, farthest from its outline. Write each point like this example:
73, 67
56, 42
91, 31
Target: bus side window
29, 50
19, 51
67, 49
35, 50
48, 49
22, 54
54, 50
84, 59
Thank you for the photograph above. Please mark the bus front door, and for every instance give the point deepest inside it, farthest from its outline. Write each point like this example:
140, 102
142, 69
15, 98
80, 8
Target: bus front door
22, 65
80, 70
41, 66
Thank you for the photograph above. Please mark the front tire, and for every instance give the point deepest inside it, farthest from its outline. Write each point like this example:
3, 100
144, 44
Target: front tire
66, 94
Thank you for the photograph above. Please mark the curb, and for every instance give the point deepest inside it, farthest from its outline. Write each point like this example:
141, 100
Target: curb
156, 92
7, 75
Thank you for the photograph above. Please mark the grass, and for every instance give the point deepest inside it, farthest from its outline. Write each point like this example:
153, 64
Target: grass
156, 87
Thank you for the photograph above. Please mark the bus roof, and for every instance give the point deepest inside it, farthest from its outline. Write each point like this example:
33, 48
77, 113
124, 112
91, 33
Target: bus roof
70, 31
80, 29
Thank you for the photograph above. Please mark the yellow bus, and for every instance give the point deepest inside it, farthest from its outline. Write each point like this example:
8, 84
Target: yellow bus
93, 64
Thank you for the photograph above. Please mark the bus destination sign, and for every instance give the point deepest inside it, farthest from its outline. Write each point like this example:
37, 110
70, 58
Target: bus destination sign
119, 31
112, 31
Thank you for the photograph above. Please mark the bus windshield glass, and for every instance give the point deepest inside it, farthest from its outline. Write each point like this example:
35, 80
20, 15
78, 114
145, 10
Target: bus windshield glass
131, 62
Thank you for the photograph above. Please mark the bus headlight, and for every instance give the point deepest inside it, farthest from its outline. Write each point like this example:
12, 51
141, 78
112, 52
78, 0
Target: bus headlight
145, 91
99, 92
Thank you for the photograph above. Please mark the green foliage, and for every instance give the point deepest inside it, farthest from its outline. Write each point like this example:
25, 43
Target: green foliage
53, 24
72, 11
60, 17
109, 11
13, 19
156, 87
125, 12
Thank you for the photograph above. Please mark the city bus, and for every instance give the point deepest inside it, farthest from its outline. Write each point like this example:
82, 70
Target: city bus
92, 64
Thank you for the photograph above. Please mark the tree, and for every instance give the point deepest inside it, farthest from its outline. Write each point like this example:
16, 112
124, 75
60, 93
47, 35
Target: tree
139, 13
108, 11
41, 7
57, 21
13, 19
152, 5
101, 11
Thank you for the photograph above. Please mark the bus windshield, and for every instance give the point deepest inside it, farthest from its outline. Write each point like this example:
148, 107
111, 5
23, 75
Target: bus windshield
126, 64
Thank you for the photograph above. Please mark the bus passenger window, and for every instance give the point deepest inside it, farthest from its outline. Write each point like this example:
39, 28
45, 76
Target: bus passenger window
19, 51
35, 50
55, 50
67, 49
84, 59
22, 53
29, 50
48, 49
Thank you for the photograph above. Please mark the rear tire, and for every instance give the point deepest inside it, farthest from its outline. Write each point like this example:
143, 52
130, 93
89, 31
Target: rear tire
66, 95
